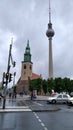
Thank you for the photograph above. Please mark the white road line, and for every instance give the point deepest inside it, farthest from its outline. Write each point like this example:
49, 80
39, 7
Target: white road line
39, 120
17, 107
42, 124
37, 117
14, 110
39, 104
35, 114
45, 128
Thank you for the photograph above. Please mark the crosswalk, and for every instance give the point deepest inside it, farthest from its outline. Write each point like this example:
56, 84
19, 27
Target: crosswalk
16, 109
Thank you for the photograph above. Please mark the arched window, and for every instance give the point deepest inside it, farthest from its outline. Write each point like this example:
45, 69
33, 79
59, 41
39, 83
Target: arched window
24, 66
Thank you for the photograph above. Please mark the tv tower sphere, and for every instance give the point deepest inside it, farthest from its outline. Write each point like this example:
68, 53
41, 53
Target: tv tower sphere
50, 32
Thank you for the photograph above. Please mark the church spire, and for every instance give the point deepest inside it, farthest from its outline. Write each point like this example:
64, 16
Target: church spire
27, 51
27, 55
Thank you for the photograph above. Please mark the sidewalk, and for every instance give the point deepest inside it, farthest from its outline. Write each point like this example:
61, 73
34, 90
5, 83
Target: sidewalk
19, 101
27, 97
11, 105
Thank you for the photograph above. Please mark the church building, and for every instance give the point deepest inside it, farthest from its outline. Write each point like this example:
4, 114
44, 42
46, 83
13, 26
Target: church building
26, 72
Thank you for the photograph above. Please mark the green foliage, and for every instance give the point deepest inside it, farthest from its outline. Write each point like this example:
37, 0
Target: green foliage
35, 85
50, 85
58, 85
44, 86
67, 84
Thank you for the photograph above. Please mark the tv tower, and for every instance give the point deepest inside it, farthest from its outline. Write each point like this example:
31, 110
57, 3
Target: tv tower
50, 33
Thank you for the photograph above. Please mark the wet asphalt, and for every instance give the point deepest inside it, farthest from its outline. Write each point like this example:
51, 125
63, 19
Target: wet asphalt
37, 120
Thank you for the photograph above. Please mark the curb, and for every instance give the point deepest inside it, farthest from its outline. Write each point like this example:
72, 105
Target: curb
11, 110
54, 110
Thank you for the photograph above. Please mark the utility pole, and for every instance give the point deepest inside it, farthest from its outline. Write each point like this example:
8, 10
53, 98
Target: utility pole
3, 82
7, 73
14, 86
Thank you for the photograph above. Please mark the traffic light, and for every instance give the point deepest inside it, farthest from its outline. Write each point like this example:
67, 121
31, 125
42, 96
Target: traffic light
10, 77
3, 82
14, 74
7, 76
14, 64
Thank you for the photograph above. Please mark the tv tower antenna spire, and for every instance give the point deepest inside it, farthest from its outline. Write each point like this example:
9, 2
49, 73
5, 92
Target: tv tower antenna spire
49, 12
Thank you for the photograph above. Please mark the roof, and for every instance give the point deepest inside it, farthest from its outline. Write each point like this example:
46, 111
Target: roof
35, 76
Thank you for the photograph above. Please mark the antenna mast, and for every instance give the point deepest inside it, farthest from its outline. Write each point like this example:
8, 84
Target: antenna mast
49, 12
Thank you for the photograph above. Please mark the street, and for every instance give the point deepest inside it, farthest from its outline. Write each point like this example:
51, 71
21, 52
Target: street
42, 116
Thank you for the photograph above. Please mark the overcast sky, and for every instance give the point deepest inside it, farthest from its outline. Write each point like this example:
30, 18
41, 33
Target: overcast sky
28, 19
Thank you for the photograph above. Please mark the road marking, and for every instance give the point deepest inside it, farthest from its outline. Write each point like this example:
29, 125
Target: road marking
45, 128
14, 110
37, 117
17, 107
34, 113
42, 124
39, 104
39, 120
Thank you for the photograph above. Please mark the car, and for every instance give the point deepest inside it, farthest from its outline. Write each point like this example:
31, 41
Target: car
71, 94
58, 98
70, 101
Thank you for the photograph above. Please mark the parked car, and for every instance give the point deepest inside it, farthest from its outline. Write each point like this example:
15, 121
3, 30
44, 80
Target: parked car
70, 101
58, 98
71, 94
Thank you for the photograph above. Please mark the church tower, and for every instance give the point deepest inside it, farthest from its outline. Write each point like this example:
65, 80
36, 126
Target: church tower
26, 70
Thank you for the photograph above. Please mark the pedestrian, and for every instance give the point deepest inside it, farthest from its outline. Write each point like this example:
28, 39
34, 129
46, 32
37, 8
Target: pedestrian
31, 95
10, 94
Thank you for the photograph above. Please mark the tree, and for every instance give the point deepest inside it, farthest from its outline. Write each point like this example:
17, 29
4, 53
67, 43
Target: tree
71, 85
58, 86
50, 85
67, 84
44, 86
35, 85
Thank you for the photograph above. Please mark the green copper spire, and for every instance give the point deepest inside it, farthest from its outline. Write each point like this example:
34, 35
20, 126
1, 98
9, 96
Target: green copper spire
27, 55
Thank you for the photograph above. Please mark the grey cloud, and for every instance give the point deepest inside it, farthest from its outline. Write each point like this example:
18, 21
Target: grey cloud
28, 20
